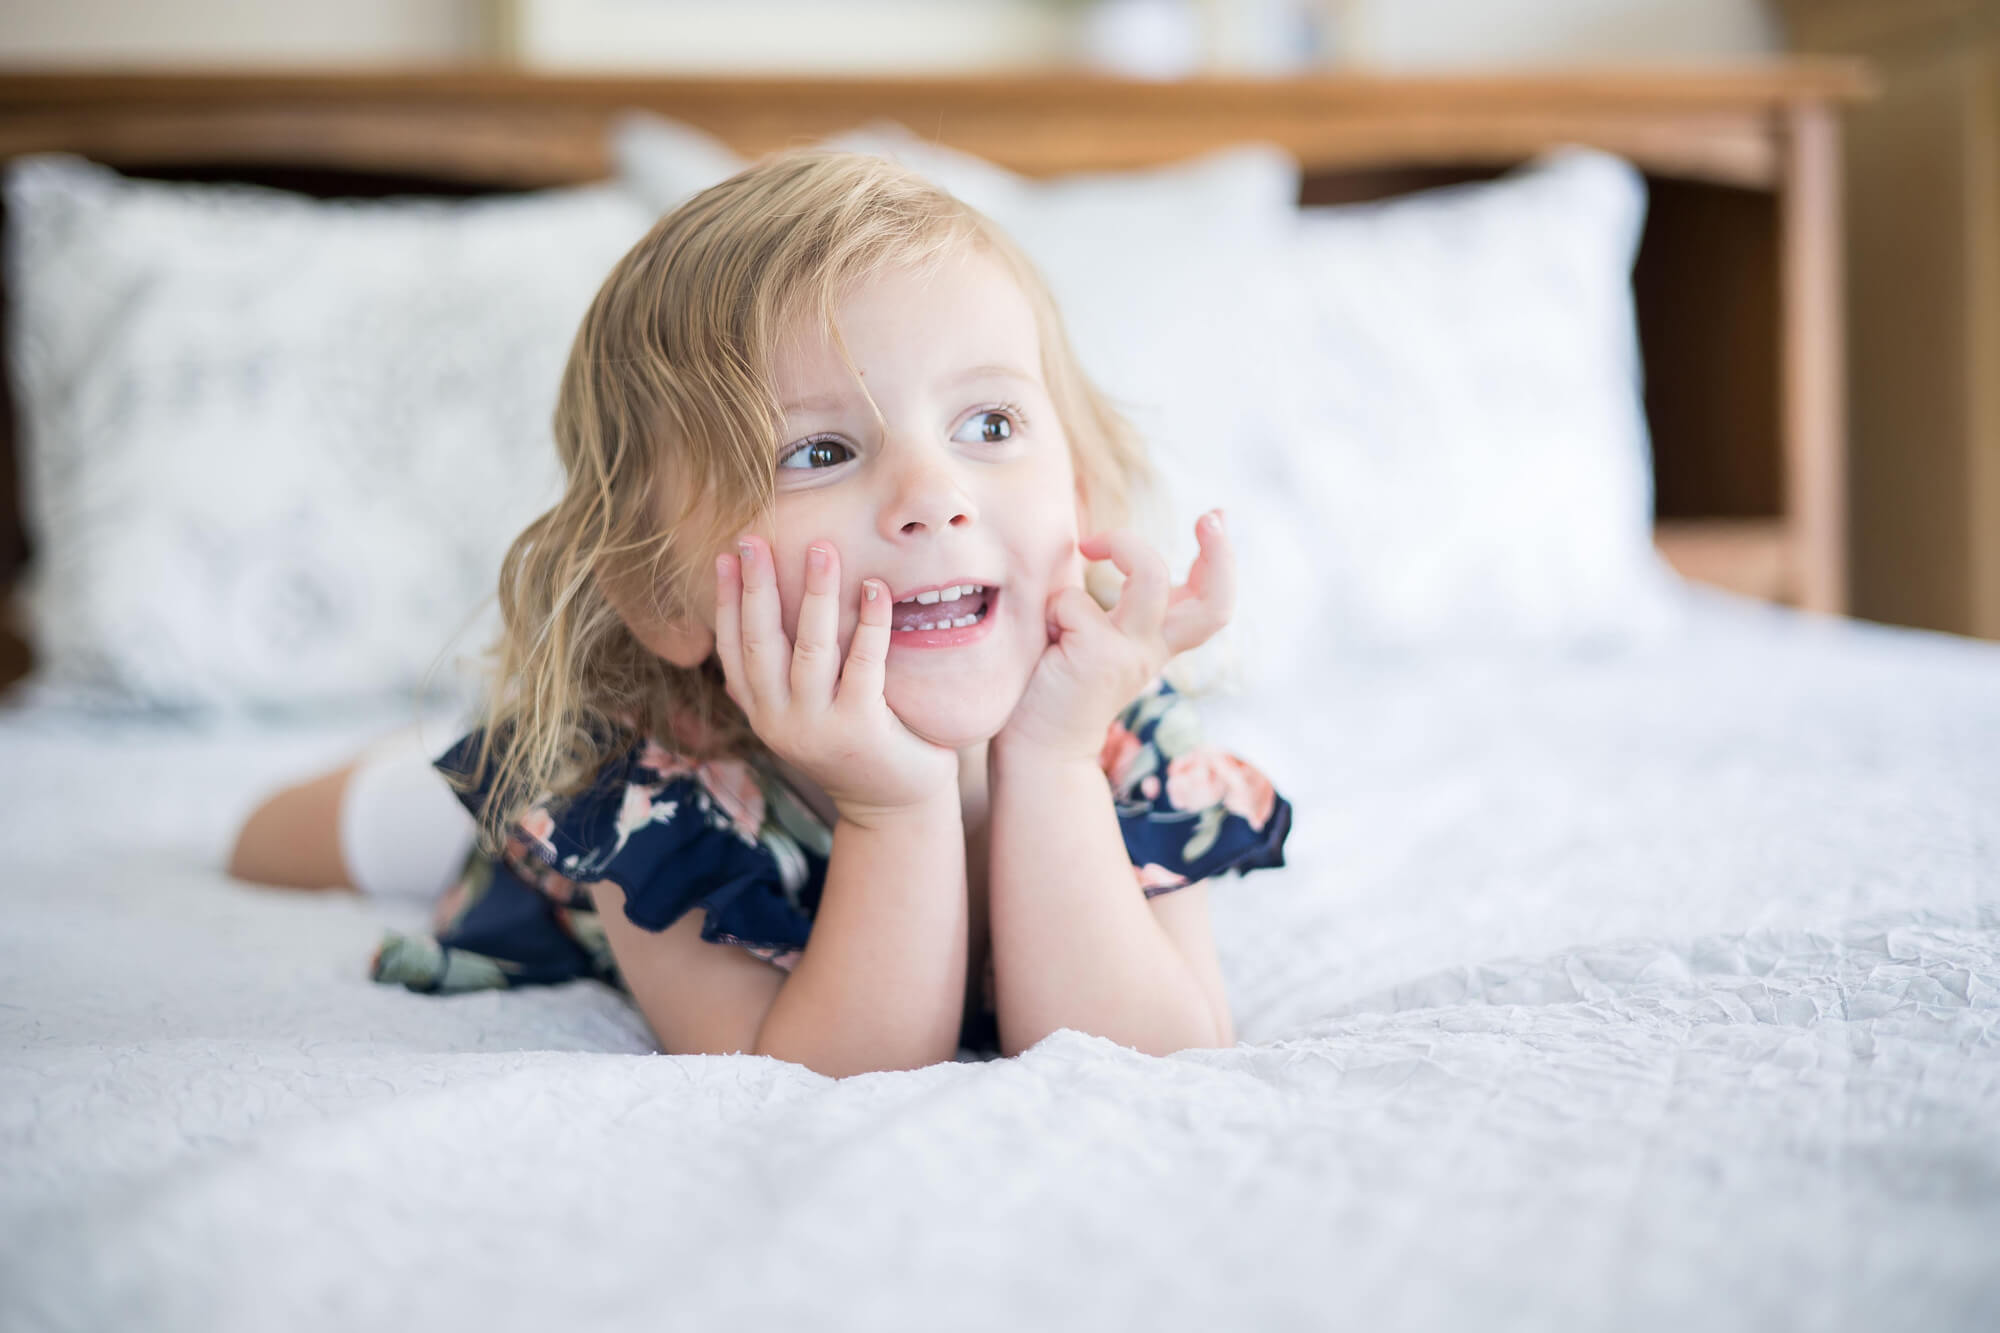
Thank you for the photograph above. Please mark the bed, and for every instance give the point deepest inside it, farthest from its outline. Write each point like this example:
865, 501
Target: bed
1654, 986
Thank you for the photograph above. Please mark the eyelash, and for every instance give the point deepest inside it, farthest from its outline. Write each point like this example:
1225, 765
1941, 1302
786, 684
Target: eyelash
1012, 411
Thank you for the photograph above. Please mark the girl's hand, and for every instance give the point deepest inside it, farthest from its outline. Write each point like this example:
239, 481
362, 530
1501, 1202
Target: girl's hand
832, 723
1096, 663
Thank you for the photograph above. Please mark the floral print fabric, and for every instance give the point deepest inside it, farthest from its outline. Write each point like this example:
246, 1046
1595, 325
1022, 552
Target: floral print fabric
732, 837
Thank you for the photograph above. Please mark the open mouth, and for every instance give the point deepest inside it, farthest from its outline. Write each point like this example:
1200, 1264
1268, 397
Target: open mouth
943, 608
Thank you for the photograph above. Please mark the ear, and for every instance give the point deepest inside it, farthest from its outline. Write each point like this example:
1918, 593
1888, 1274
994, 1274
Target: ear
681, 642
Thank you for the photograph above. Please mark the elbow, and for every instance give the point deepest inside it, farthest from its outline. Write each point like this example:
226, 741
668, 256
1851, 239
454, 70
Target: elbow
837, 1064
1200, 1027
1214, 1033
836, 1060
1207, 1028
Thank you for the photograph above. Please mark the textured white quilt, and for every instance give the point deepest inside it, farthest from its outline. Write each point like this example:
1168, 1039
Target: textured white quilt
1659, 990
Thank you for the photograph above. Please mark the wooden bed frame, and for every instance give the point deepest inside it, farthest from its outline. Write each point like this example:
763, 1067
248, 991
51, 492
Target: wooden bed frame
1737, 282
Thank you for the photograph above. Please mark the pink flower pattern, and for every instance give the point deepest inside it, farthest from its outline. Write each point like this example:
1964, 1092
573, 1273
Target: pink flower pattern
1174, 806
659, 759
1207, 776
540, 826
1121, 748
733, 786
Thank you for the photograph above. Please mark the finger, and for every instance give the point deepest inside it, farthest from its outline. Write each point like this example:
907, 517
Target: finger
728, 626
867, 656
1143, 600
1207, 600
765, 650
816, 649
1072, 609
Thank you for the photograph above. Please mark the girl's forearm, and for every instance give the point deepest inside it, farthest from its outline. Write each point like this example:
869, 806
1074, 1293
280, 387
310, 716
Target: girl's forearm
1074, 943
881, 984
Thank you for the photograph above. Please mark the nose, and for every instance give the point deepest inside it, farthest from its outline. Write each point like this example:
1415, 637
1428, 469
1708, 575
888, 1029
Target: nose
926, 495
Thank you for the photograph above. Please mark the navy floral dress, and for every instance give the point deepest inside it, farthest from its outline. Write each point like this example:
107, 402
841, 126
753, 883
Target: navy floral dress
732, 837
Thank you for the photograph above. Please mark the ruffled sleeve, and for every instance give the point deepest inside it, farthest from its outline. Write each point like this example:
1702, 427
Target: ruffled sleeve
1189, 811
673, 834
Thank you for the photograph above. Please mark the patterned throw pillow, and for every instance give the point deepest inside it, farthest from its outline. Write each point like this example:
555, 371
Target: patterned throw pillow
273, 446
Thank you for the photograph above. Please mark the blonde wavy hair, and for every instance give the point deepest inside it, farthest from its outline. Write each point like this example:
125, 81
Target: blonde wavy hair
667, 425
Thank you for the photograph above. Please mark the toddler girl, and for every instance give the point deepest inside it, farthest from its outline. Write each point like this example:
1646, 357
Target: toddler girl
802, 727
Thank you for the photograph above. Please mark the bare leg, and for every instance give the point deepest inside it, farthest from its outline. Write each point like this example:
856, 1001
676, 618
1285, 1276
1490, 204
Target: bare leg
292, 838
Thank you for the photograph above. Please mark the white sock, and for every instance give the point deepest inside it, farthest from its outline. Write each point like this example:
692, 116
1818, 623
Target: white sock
403, 831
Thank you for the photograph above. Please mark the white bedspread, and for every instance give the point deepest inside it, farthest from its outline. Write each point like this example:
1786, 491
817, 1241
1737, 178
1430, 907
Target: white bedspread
1653, 991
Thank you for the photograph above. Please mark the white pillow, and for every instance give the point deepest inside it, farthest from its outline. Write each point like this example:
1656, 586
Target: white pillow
1157, 272
1464, 465
274, 447
1423, 416
1468, 465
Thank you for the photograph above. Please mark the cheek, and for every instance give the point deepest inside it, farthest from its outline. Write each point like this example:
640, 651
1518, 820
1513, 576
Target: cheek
1059, 563
809, 519
1052, 565
790, 563
1044, 534
792, 596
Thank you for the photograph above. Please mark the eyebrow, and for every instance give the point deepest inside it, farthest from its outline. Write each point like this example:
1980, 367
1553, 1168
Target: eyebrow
823, 402
992, 372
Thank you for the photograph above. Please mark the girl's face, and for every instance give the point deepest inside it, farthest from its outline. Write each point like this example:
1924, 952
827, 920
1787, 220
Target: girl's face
965, 479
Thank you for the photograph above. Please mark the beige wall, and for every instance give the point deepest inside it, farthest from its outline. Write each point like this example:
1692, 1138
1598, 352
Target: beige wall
880, 36
240, 32
916, 34
1434, 33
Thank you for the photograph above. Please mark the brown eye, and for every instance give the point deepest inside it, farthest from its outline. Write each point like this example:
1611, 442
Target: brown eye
815, 454
994, 428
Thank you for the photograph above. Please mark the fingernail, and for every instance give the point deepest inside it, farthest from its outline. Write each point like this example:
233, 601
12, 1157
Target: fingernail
816, 558
743, 552
1215, 520
873, 588
722, 566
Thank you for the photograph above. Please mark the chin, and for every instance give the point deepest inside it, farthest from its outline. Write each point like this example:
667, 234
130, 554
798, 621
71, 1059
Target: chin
963, 696
950, 717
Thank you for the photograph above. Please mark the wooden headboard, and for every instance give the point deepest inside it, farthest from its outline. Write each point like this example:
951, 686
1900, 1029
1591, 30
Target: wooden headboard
1737, 282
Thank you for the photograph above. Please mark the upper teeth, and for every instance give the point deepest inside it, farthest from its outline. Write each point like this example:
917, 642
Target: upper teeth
946, 594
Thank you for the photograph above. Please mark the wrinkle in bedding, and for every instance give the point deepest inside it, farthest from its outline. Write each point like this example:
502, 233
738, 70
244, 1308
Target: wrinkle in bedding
1650, 991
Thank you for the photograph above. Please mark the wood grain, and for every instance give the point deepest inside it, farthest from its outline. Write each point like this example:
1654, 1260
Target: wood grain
526, 130
1815, 451
1922, 207
1737, 286
1751, 556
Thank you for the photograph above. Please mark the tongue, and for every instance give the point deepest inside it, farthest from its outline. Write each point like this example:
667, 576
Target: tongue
908, 615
